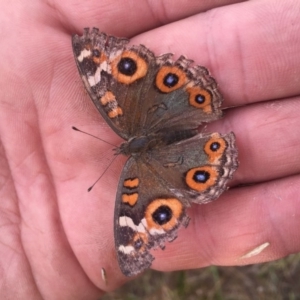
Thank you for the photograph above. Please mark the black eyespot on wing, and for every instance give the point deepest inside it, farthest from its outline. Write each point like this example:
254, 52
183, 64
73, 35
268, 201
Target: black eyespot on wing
200, 99
170, 80
138, 244
96, 53
215, 146
201, 176
127, 66
162, 215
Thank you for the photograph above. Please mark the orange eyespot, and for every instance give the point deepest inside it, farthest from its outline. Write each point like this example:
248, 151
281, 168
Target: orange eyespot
201, 178
200, 98
163, 213
140, 241
129, 67
98, 57
215, 147
170, 78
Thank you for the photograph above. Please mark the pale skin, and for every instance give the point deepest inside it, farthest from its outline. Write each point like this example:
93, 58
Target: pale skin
55, 236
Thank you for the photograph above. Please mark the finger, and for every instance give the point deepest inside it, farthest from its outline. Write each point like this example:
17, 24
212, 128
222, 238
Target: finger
252, 49
122, 18
267, 139
227, 231
268, 149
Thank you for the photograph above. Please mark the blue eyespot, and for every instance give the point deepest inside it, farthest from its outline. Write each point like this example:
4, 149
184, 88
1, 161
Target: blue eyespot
200, 99
127, 66
170, 80
162, 215
201, 176
96, 53
138, 244
215, 146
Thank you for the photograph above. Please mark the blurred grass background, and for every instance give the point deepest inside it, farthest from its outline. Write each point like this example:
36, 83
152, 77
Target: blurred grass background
268, 281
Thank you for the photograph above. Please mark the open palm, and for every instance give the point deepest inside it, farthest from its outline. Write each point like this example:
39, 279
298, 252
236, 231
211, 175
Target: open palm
55, 236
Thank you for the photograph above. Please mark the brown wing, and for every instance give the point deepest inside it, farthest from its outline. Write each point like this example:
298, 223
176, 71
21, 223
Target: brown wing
138, 93
156, 187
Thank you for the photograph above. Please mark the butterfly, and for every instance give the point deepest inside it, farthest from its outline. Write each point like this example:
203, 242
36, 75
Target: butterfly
155, 104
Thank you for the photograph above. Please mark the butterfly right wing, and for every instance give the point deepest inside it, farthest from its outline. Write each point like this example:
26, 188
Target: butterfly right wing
138, 93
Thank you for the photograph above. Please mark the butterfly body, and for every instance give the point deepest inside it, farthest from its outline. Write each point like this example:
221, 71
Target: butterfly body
156, 105
146, 143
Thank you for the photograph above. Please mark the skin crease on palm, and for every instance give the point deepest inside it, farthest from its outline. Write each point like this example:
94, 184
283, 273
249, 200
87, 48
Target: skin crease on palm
56, 237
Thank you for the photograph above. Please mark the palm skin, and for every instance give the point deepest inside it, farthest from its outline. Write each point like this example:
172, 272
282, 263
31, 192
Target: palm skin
55, 236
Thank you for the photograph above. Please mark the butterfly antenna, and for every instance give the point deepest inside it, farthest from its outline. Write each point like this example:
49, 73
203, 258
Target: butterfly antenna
90, 188
96, 137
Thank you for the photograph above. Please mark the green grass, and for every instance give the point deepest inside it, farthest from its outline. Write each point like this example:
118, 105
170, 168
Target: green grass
275, 281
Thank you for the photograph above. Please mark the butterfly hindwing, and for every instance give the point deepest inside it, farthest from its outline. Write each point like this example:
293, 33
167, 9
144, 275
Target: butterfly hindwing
193, 170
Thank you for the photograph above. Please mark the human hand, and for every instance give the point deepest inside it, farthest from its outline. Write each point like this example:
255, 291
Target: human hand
55, 236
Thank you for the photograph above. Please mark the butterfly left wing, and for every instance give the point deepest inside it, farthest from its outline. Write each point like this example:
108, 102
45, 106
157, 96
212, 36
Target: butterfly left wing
156, 187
